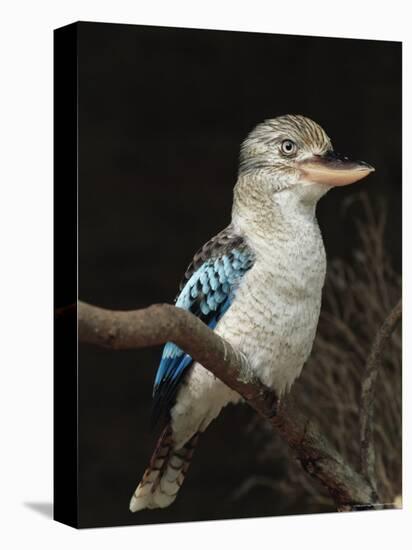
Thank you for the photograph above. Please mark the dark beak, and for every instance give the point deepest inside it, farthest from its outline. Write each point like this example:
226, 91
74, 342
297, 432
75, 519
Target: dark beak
333, 169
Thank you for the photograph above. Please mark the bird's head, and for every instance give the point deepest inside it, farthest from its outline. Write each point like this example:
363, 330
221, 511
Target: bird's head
292, 151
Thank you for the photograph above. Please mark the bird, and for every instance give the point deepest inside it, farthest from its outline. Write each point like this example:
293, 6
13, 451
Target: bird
257, 283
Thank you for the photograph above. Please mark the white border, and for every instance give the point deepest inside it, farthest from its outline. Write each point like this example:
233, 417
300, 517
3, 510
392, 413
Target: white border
26, 267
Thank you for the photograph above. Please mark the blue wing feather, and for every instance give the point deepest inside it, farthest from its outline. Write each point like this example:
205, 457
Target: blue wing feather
208, 294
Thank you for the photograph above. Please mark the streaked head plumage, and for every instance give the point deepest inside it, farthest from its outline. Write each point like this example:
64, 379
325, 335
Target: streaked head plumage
278, 143
294, 149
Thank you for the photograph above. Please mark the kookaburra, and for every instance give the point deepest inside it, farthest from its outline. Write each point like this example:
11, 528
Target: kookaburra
258, 284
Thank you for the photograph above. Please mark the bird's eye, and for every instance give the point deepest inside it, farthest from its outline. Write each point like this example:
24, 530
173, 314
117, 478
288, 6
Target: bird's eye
288, 147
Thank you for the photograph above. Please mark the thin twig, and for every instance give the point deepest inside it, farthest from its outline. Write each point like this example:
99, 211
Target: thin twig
373, 366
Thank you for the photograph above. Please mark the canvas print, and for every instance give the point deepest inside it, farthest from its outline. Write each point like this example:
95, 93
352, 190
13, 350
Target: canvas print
228, 275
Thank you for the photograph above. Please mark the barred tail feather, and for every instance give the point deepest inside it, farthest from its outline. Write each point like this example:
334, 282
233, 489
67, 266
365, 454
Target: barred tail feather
165, 474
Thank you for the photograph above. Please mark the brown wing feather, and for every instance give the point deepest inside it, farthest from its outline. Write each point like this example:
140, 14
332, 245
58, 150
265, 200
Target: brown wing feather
223, 242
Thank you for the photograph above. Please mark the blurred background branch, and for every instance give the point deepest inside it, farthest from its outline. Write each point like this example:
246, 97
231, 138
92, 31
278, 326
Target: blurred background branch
373, 366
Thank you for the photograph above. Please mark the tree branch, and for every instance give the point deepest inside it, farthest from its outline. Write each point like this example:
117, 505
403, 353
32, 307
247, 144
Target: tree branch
373, 365
163, 323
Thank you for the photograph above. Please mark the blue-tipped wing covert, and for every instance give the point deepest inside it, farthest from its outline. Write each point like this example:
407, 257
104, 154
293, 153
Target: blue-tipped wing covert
208, 290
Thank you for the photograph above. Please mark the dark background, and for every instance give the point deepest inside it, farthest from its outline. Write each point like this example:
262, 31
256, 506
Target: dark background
162, 113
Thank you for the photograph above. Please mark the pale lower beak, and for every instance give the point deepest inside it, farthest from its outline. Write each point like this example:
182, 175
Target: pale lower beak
331, 169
